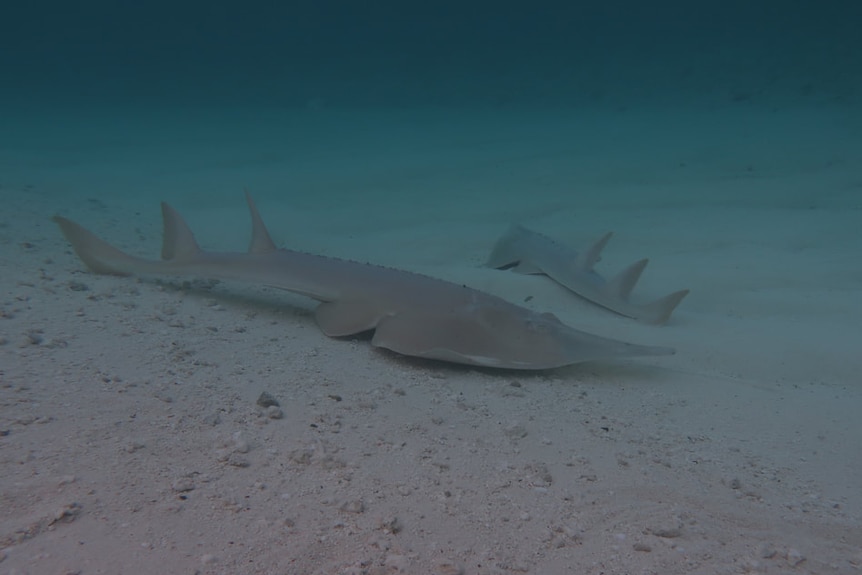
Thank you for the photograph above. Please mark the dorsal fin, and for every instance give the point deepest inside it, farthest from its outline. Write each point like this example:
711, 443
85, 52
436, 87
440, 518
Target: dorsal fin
623, 283
261, 242
658, 311
588, 258
178, 241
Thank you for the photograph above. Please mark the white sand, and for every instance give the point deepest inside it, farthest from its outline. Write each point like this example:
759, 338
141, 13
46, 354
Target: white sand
132, 443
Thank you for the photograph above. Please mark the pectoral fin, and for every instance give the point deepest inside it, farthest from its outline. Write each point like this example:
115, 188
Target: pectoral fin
346, 317
447, 337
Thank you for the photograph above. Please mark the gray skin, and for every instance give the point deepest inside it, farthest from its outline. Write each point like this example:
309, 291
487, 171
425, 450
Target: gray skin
409, 313
528, 252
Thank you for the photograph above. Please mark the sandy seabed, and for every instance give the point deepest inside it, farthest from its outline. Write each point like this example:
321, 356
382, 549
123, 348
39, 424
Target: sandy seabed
131, 435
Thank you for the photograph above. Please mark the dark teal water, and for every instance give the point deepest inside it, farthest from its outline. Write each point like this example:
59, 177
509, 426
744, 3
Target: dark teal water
403, 54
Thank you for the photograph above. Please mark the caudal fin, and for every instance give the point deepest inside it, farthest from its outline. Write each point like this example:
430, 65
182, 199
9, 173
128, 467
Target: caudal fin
97, 254
178, 245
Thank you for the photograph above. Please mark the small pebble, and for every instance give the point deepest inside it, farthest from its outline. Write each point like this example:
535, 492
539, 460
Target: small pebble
274, 412
390, 525
212, 419
33, 338
183, 484
267, 400
66, 480
237, 460
208, 559
667, 532
240, 445
766, 551
795, 557
353, 506
396, 563
447, 567
133, 446
515, 431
